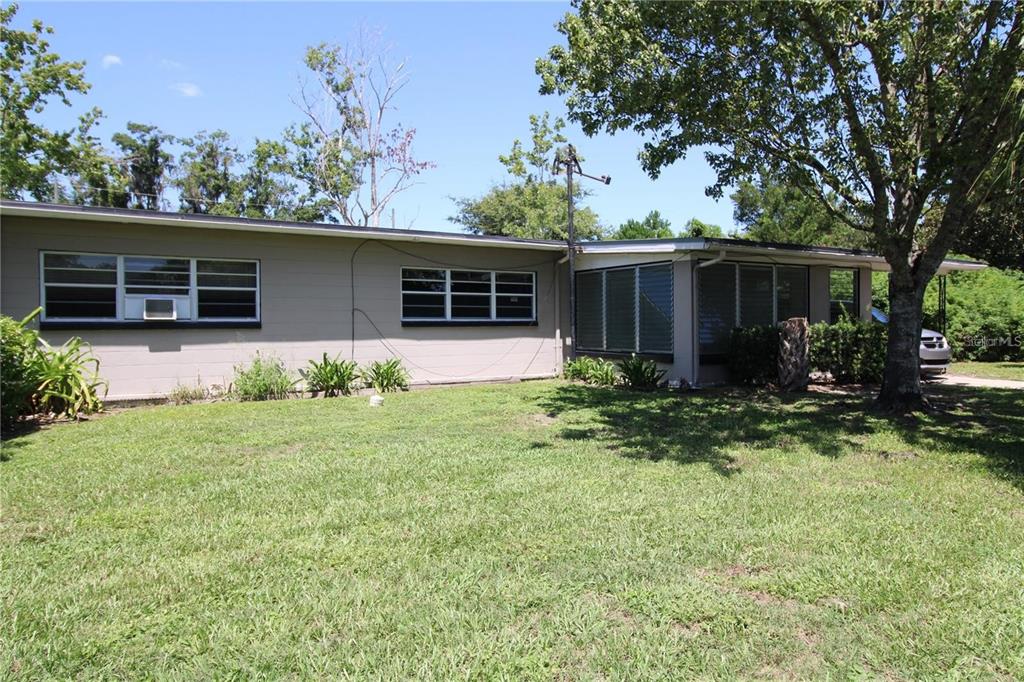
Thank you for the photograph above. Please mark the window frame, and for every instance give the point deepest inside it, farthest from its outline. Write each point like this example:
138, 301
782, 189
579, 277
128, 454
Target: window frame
664, 355
119, 320
737, 318
492, 296
854, 307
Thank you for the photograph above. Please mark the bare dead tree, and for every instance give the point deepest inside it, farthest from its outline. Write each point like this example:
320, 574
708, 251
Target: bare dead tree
347, 150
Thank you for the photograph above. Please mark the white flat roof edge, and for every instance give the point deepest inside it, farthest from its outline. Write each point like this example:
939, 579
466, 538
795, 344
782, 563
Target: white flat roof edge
606, 247
245, 225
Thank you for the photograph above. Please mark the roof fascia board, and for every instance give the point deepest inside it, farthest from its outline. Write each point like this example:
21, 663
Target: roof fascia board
247, 226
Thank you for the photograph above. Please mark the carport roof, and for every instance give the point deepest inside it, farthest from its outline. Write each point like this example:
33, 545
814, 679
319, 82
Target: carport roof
751, 247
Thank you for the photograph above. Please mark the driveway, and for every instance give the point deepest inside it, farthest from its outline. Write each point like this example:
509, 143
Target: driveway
957, 380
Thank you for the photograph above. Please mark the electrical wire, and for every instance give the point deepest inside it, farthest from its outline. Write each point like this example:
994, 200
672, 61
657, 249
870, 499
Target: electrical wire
352, 288
382, 338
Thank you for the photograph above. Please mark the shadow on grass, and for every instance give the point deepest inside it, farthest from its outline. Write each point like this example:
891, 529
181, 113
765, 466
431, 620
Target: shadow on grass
988, 421
11, 440
709, 426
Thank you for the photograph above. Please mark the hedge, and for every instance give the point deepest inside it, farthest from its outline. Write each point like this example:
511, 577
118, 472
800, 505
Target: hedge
851, 351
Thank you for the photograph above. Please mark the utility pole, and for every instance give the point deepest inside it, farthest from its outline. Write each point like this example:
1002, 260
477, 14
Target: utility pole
566, 158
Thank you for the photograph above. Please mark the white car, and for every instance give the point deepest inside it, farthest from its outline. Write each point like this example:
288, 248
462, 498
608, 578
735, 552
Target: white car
934, 349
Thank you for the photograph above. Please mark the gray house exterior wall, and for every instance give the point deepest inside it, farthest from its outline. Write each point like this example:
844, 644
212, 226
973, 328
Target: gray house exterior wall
325, 289
306, 296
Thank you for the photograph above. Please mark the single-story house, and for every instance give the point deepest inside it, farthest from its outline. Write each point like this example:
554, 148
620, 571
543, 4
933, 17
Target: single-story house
171, 298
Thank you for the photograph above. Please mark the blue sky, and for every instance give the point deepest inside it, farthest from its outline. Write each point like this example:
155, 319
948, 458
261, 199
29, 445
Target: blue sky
236, 66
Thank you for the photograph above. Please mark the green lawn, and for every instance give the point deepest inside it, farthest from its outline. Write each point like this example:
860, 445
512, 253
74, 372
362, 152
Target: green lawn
539, 530
989, 370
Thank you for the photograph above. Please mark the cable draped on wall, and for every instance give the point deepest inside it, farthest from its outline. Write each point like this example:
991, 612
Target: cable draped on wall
397, 353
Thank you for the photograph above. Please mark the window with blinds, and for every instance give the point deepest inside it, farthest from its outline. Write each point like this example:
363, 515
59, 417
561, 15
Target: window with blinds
625, 310
655, 308
716, 299
733, 295
791, 291
620, 310
757, 299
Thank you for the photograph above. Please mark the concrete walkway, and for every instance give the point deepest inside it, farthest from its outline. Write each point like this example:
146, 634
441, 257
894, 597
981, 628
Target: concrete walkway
957, 380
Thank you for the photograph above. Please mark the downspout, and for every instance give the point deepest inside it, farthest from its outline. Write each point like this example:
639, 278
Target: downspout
695, 305
559, 346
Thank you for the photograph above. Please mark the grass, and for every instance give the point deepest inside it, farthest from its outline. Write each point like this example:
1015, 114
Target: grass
540, 530
989, 370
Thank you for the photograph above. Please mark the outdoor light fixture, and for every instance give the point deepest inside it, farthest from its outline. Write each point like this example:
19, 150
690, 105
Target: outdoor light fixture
566, 158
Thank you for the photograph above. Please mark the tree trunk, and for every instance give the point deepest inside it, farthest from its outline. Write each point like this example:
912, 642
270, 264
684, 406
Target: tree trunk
901, 381
794, 355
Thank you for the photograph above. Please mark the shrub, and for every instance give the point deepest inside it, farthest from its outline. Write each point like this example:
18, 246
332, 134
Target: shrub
576, 370
596, 371
603, 373
265, 379
36, 377
754, 355
852, 351
19, 369
70, 380
332, 377
386, 377
640, 374
984, 314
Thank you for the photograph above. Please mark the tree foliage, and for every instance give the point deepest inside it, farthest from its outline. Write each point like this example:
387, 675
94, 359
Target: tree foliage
533, 204
698, 228
207, 176
653, 226
897, 117
32, 76
267, 187
772, 211
148, 163
95, 176
995, 233
985, 314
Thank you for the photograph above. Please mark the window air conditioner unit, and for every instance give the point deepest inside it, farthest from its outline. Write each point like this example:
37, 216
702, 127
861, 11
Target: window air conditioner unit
159, 309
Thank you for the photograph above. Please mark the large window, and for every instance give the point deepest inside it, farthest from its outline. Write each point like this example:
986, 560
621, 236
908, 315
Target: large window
842, 293
110, 288
625, 309
742, 295
431, 295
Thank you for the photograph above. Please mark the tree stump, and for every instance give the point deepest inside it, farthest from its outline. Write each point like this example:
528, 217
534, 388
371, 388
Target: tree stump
794, 354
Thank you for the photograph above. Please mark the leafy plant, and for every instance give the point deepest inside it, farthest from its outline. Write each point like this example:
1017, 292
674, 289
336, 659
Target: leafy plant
578, 369
852, 351
985, 314
265, 379
754, 355
641, 374
596, 371
386, 376
19, 368
69, 379
331, 376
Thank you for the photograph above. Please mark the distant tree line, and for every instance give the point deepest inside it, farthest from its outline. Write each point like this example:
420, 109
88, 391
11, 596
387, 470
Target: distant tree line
342, 162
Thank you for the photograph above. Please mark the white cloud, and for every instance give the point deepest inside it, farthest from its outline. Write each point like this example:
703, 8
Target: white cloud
187, 89
111, 60
170, 64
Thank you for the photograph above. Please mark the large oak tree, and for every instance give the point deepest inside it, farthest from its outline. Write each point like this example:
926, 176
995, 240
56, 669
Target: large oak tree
897, 116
